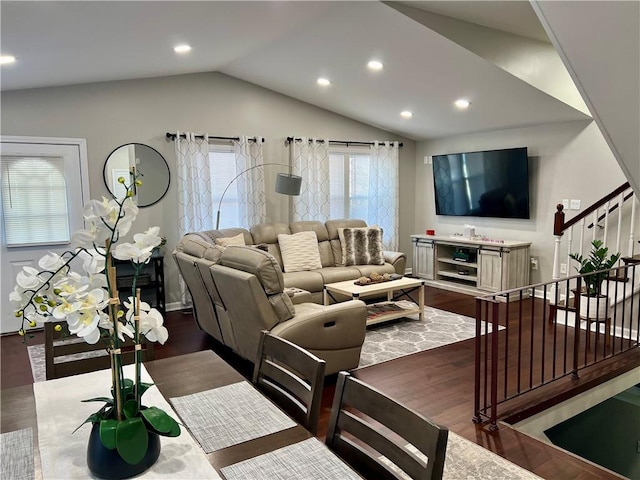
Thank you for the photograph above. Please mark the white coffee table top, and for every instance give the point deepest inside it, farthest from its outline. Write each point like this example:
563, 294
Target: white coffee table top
348, 287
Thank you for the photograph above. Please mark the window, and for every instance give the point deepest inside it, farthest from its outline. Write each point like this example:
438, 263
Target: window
349, 185
222, 163
34, 201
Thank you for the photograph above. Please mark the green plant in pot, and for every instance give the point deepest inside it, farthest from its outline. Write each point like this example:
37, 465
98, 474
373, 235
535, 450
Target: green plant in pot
594, 268
78, 289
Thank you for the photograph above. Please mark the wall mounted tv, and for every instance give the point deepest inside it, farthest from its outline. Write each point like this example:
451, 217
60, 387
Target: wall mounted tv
493, 183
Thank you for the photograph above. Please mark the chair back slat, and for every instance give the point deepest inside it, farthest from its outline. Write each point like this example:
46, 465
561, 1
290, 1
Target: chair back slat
278, 374
292, 377
66, 356
360, 414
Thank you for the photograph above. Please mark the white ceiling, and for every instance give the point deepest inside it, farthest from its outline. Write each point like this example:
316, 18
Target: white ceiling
285, 46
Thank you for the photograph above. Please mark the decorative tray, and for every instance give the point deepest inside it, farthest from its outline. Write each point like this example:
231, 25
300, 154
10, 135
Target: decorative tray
394, 276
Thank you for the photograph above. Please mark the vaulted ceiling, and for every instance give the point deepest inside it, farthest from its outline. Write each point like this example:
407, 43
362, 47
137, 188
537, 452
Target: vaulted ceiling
430, 51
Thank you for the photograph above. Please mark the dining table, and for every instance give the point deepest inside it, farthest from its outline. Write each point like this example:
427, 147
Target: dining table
176, 378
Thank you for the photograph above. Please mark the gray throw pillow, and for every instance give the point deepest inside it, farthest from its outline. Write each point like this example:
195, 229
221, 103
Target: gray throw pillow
361, 246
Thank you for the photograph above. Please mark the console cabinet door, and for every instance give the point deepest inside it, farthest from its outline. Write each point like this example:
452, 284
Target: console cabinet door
422, 259
490, 270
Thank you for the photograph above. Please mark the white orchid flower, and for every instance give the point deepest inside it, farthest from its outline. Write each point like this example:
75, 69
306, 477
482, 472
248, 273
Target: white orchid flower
85, 326
51, 262
130, 211
92, 261
28, 278
130, 251
151, 325
129, 304
150, 238
65, 310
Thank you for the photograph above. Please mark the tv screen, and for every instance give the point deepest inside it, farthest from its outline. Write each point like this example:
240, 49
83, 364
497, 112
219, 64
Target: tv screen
493, 183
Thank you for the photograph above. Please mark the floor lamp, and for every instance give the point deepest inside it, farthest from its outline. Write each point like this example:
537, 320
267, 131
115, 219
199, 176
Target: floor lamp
286, 183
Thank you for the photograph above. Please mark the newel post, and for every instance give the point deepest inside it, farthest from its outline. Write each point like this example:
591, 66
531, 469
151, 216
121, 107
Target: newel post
558, 223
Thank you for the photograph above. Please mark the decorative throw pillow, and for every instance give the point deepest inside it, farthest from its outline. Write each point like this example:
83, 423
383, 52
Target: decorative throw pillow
299, 251
237, 241
361, 246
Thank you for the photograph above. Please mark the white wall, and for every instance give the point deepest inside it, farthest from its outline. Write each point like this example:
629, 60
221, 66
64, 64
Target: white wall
566, 160
110, 114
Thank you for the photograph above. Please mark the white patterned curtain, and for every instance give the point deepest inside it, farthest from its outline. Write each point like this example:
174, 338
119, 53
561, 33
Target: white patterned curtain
250, 185
195, 208
310, 157
383, 191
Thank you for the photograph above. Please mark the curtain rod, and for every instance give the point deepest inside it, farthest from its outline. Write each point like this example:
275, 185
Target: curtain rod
172, 136
341, 142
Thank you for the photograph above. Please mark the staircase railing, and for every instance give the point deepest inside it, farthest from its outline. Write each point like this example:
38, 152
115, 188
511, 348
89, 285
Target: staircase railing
522, 347
611, 223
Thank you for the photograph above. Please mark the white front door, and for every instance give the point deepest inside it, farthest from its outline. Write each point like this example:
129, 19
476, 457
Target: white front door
44, 185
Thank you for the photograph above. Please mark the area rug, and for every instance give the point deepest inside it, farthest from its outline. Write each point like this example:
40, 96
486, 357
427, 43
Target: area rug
468, 461
383, 342
394, 339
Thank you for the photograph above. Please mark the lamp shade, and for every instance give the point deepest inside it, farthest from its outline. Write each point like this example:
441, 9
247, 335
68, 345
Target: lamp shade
288, 184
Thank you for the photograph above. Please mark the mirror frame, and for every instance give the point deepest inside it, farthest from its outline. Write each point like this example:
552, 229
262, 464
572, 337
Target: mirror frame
105, 172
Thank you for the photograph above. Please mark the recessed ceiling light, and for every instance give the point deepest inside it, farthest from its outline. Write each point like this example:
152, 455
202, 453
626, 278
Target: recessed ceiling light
375, 65
324, 82
4, 59
182, 48
462, 103
406, 114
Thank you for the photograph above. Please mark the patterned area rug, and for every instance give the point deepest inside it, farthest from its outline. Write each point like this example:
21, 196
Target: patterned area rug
383, 342
386, 341
467, 461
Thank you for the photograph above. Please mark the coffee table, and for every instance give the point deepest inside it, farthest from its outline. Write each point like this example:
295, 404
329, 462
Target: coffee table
404, 285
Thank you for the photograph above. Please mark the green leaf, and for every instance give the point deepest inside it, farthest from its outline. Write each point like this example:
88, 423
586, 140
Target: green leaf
108, 430
100, 399
93, 418
132, 440
144, 387
162, 423
130, 408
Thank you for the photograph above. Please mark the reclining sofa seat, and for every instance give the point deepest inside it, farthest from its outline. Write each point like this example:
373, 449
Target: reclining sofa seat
251, 286
197, 252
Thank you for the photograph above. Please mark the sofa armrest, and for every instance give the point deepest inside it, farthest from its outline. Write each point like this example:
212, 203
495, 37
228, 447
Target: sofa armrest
325, 327
298, 295
397, 259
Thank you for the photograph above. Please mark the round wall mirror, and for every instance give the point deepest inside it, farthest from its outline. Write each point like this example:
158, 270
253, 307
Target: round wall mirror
152, 169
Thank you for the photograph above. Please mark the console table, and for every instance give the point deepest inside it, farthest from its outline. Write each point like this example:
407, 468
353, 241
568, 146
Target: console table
150, 280
470, 266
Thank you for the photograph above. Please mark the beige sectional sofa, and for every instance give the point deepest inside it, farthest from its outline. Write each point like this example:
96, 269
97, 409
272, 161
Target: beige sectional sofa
235, 298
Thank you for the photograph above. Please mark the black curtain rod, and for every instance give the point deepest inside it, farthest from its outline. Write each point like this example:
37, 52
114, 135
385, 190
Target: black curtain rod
172, 136
340, 142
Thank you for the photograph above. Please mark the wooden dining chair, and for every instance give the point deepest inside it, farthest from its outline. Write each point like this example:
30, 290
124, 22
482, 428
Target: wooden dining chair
292, 377
69, 355
381, 438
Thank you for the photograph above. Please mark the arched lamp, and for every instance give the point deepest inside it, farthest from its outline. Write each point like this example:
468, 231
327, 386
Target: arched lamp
286, 183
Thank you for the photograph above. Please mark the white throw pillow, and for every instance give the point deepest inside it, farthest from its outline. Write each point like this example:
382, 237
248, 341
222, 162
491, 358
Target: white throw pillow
300, 251
237, 241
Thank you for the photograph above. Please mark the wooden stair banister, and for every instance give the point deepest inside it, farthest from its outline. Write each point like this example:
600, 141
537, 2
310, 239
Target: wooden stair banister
559, 225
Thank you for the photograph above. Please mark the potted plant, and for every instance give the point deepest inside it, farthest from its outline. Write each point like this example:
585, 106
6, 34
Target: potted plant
79, 288
594, 268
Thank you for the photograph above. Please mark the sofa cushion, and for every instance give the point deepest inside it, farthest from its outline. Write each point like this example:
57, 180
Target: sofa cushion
311, 281
261, 264
339, 274
300, 251
361, 246
237, 241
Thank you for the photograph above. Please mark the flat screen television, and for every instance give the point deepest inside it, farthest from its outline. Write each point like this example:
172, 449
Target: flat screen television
493, 183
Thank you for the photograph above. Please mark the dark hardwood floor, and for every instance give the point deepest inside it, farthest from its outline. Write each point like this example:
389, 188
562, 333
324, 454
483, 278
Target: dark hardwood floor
437, 383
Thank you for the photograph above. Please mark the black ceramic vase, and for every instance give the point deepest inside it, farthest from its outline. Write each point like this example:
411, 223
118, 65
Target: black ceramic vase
108, 464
